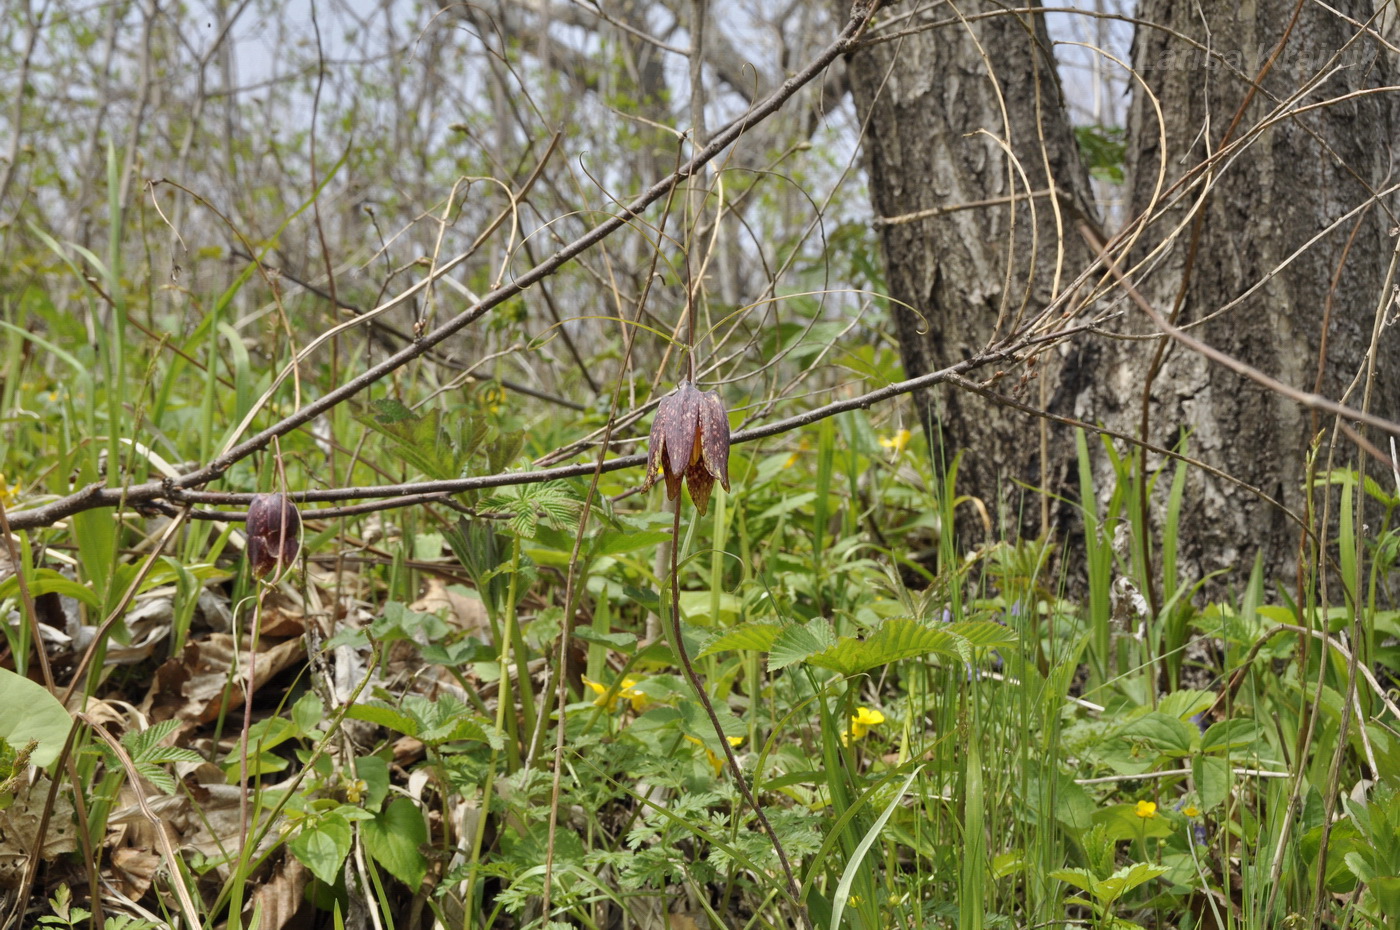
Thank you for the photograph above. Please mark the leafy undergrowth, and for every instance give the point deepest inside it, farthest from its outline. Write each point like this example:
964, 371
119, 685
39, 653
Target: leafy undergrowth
938, 738
990, 735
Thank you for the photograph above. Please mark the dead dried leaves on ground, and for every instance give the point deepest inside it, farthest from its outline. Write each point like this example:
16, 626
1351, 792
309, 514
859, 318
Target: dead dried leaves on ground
192, 702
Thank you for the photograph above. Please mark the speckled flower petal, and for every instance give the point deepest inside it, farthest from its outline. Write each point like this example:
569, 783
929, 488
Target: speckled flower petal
679, 412
656, 446
700, 482
714, 436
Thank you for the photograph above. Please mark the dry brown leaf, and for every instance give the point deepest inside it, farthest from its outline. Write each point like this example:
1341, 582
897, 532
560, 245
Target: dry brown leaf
281, 896
466, 613
193, 686
407, 751
19, 830
135, 870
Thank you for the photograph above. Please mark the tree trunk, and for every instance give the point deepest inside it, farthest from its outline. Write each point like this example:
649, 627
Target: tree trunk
943, 107
932, 114
1230, 270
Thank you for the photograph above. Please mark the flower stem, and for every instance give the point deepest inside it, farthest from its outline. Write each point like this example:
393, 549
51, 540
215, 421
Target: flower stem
793, 890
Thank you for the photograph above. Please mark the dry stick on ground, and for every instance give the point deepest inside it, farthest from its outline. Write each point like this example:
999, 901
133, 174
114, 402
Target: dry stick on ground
97, 496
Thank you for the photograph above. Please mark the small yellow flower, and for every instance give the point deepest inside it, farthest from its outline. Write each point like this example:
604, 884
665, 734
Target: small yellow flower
9, 493
1146, 810
355, 790
607, 697
802, 446
897, 442
861, 721
640, 699
716, 762
1191, 810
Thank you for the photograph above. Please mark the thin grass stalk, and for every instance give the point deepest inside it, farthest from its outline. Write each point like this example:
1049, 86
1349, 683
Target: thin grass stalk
794, 891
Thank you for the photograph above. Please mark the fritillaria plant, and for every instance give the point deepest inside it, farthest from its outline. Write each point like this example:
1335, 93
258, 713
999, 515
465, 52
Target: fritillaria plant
690, 443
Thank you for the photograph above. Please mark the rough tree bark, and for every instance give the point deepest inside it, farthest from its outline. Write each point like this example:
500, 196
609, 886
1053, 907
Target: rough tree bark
1230, 274
1307, 321
943, 108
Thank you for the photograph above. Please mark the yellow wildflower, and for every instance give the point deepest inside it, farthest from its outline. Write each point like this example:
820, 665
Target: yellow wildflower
716, 762
1191, 810
861, 721
640, 699
9, 493
1146, 809
897, 442
802, 446
607, 697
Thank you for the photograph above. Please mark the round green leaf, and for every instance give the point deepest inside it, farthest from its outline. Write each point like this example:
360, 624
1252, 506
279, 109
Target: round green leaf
43, 720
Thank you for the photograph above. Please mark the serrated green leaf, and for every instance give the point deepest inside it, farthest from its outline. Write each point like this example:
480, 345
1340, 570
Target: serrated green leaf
387, 410
899, 638
139, 742
758, 635
1186, 703
1212, 777
796, 643
1079, 878
1128, 878
695, 722
983, 634
385, 717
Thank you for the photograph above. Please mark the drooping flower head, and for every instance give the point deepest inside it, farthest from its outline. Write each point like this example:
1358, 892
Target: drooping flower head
274, 528
690, 443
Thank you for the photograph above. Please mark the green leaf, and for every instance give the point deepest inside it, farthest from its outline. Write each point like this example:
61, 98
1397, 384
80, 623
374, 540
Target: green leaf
1079, 878
1229, 734
616, 542
796, 643
1164, 733
696, 608
393, 839
695, 722
787, 505
758, 635
1128, 878
322, 847
43, 720
374, 771
983, 634
1187, 703
896, 639
1386, 888
386, 717
621, 642
1122, 822
48, 581
1212, 777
